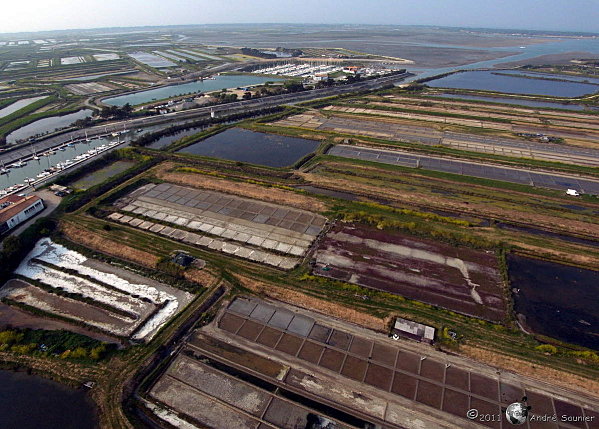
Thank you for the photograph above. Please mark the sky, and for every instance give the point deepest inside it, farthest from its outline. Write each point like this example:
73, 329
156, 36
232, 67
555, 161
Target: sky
562, 15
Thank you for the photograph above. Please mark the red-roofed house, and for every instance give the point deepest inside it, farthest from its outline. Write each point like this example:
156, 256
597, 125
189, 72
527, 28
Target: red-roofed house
15, 210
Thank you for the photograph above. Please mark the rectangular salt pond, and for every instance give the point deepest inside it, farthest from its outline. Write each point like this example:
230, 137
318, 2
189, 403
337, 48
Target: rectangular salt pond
556, 300
238, 144
491, 81
152, 60
18, 105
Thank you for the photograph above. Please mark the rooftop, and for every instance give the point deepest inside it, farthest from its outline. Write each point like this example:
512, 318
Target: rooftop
11, 205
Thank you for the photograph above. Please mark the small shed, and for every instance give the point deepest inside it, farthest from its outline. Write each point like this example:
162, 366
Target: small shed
183, 259
412, 330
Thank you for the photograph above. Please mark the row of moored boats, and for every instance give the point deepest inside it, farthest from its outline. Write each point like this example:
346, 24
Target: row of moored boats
55, 169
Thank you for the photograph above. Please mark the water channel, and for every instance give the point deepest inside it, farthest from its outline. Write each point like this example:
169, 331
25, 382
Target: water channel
47, 125
207, 85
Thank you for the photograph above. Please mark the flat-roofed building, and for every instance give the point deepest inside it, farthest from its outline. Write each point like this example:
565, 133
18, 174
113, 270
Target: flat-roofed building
15, 210
415, 331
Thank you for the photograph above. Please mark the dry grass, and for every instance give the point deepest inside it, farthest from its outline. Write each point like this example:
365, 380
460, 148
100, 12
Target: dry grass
314, 304
249, 190
476, 209
541, 373
97, 242
203, 277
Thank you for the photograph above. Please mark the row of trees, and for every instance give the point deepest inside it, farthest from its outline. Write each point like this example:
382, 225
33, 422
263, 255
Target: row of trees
63, 344
116, 111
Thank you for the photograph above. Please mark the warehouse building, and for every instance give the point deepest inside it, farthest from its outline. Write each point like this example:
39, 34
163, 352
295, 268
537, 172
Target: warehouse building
15, 210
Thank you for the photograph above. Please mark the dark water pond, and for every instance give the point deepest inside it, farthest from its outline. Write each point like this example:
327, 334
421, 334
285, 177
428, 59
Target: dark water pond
490, 81
47, 125
237, 144
32, 402
99, 176
557, 300
166, 140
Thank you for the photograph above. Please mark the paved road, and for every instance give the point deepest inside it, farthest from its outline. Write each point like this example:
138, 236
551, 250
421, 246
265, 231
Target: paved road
9, 157
470, 168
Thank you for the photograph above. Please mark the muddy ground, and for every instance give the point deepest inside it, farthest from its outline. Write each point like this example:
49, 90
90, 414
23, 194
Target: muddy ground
459, 279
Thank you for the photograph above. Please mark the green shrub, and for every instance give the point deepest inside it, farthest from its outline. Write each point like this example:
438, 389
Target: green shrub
547, 348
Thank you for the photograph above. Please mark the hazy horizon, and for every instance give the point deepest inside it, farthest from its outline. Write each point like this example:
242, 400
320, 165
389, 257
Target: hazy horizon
535, 15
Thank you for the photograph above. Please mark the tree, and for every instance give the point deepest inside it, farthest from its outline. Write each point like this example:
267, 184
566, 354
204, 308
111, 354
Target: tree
97, 352
294, 86
12, 245
117, 112
247, 95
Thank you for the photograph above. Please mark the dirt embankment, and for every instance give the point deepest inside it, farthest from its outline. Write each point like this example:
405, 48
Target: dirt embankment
314, 304
97, 242
476, 209
203, 277
249, 190
538, 372
544, 374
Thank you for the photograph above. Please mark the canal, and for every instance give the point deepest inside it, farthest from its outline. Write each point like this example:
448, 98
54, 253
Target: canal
47, 125
215, 84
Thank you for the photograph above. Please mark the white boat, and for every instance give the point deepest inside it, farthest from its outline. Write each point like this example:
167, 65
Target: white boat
19, 164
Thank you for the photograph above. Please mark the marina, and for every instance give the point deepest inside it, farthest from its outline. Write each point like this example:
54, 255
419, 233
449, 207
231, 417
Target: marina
39, 168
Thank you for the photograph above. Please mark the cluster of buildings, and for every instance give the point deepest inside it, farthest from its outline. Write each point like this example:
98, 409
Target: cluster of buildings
318, 72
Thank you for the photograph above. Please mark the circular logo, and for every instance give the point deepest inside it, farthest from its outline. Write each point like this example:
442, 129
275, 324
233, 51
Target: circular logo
516, 413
